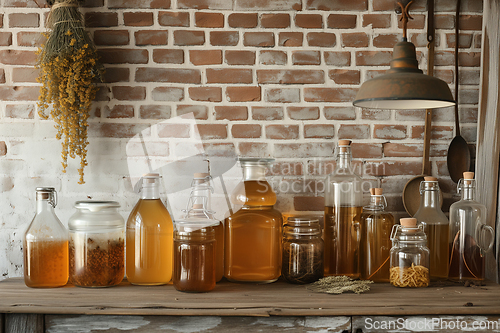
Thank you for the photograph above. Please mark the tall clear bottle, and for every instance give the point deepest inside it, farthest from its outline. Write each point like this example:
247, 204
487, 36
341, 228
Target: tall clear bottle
436, 227
252, 251
376, 225
343, 207
470, 236
149, 247
45, 247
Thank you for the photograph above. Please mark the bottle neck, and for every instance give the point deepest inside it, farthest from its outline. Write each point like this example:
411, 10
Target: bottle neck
150, 192
344, 159
254, 172
377, 202
43, 205
468, 193
430, 199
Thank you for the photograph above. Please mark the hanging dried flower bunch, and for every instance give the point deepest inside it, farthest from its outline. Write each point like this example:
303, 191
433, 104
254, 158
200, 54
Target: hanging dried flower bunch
69, 72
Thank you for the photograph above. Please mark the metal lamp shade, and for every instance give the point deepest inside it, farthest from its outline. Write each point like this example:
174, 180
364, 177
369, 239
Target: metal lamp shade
404, 86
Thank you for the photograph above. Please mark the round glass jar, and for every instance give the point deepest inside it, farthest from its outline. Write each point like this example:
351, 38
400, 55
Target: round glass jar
303, 249
96, 244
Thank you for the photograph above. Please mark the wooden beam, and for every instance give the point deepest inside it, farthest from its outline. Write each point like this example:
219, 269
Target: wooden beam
24, 323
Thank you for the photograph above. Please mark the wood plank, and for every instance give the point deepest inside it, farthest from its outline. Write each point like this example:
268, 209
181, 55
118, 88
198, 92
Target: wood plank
233, 299
488, 126
2, 320
214, 324
24, 323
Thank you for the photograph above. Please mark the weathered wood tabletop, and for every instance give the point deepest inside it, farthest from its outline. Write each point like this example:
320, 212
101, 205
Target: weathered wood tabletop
232, 299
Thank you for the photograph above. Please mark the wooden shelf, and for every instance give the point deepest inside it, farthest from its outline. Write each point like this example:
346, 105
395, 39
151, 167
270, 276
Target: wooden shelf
233, 299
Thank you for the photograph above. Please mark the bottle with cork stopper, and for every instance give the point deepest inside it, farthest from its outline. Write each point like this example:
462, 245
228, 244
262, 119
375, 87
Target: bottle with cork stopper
375, 245
470, 236
409, 265
343, 207
436, 227
149, 244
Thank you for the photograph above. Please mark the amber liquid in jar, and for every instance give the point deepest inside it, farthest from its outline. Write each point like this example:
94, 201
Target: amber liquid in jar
194, 261
438, 244
149, 258
375, 246
219, 251
46, 263
342, 241
253, 235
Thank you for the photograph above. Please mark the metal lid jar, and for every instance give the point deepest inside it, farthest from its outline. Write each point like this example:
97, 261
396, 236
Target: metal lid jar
96, 244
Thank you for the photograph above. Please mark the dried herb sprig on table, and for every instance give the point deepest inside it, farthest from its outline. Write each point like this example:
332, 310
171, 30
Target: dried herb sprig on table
69, 72
339, 285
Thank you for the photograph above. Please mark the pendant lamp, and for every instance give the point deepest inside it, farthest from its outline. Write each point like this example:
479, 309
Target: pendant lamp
404, 86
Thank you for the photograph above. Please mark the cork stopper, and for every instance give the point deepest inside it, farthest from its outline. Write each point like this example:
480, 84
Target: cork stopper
408, 222
198, 206
430, 179
343, 144
468, 176
150, 178
376, 191
200, 175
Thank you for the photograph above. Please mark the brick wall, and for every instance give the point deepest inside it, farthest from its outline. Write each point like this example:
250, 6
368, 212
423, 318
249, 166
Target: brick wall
261, 78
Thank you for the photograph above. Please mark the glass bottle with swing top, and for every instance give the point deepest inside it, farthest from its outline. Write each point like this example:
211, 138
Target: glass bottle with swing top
470, 236
375, 245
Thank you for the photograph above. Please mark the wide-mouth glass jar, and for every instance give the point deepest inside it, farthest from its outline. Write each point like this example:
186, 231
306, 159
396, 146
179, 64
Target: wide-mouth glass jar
96, 244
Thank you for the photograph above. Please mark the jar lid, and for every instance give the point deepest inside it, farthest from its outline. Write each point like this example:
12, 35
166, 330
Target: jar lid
302, 226
97, 218
194, 224
95, 206
255, 161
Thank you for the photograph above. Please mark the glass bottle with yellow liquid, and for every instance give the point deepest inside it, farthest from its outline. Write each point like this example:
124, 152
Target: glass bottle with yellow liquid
149, 247
253, 236
436, 227
343, 207
376, 225
45, 247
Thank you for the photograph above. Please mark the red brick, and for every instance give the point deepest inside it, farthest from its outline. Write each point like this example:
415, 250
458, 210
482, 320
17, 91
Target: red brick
308, 204
377, 21
19, 93
330, 5
14, 57
283, 95
321, 39
151, 37
129, 93
385, 40
420, 39
302, 150
205, 94
155, 111
389, 132
93, 3
469, 59
240, 57
275, 21
173, 19
139, 4
111, 37
469, 77
471, 22
437, 132
1, 20
373, 114
2, 75
220, 149
418, 22
212, 131
168, 94
370, 74
245, 131
229, 75
253, 149
293, 76
209, 20
344, 76
173, 130
393, 168
243, 94
120, 111
335, 58
168, 56
25, 74
187, 37
20, 111
98, 19
268, 5
335, 95
267, 113
282, 132
199, 111
340, 113
272, 57
306, 57
113, 130
373, 58
103, 94
224, 38
366, 150
205, 4
24, 20
261, 39
477, 41
444, 21
412, 150
316, 131
464, 40
231, 112
311, 21
30, 38
205, 57
341, 21
180, 75
123, 56
303, 113
355, 39
446, 75
290, 39
5, 38
354, 131
243, 20
138, 19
